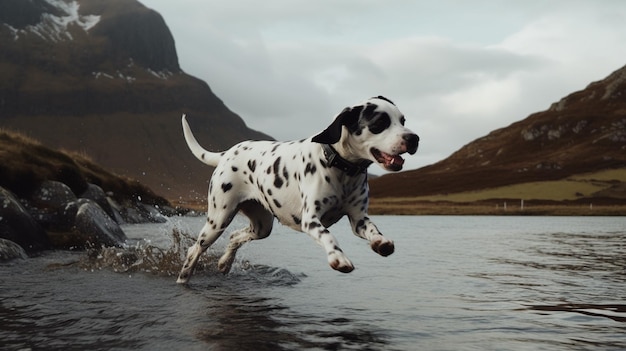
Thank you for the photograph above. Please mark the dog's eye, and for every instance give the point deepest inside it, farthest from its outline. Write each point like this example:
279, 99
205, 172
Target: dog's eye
402, 120
379, 124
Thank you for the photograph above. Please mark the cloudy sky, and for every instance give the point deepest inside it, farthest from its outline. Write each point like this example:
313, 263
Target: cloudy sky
457, 69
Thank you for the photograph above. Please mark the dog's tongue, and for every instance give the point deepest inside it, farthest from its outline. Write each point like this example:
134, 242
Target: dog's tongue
393, 160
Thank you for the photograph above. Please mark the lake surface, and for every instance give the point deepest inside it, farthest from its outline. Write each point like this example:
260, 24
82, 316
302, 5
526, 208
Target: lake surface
454, 283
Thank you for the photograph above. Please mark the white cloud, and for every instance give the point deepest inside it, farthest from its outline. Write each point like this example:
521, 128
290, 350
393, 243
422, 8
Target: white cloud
457, 69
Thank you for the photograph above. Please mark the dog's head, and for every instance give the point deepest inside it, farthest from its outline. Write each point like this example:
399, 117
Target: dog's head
373, 130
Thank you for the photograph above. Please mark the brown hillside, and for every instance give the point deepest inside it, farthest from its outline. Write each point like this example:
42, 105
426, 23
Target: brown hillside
108, 84
25, 164
582, 133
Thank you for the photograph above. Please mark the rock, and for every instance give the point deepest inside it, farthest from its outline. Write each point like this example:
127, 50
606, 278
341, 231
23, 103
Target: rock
18, 226
117, 210
53, 206
96, 194
137, 212
154, 214
10, 250
52, 194
97, 228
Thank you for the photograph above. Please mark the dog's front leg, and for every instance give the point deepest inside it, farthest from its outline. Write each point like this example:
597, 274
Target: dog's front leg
336, 258
364, 228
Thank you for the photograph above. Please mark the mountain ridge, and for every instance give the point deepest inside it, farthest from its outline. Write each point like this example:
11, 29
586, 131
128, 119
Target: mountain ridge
102, 77
581, 133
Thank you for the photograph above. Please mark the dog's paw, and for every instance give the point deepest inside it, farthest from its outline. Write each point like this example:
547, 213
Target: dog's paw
225, 263
382, 245
340, 262
183, 278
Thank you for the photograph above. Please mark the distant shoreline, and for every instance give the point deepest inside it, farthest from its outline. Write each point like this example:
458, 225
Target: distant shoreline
392, 206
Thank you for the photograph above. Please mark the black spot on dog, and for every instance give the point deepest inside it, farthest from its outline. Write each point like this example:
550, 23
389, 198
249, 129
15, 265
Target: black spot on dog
380, 123
384, 98
327, 179
227, 186
310, 168
285, 173
368, 112
252, 165
360, 225
275, 147
296, 219
235, 169
314, 225
276, 165
277, 203
269, 192
278, 182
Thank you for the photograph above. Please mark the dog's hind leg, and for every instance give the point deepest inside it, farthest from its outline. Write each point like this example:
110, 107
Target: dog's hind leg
213, 228
261, 222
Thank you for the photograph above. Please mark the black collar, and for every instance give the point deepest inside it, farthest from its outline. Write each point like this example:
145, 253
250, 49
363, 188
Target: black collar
335, 160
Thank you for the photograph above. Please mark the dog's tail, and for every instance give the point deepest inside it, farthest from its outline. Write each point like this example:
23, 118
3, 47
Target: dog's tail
208, 157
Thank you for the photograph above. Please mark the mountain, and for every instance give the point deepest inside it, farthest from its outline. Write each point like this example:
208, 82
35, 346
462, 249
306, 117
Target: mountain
102, 77
585, 132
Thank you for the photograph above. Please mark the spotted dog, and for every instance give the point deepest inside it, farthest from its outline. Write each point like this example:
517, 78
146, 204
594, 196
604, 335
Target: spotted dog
308, 185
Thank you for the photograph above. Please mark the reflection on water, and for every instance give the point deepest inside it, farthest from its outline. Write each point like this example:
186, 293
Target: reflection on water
232, 319
454, 283
614, 312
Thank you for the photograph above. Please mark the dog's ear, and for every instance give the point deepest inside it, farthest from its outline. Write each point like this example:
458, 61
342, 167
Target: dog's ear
349, 117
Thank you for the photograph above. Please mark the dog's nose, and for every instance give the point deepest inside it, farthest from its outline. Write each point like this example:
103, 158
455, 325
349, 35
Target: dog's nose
411, 141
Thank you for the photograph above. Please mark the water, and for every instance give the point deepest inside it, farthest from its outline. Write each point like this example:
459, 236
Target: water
454, 283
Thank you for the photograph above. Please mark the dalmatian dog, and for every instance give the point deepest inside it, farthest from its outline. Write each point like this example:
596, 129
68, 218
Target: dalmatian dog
308, 185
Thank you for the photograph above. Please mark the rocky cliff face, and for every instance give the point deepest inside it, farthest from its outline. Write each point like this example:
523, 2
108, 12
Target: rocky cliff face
102, 77
583, 132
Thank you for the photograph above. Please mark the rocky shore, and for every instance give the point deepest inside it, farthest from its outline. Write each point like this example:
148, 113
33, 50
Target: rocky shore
53, 217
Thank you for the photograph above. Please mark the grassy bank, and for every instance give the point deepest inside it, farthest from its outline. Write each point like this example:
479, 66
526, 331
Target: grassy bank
492, 208
593, 194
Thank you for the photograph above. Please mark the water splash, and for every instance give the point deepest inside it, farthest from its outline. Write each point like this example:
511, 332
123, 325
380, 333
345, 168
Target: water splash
144, 257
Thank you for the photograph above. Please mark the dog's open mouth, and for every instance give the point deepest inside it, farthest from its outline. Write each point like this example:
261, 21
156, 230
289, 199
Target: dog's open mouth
389, 162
